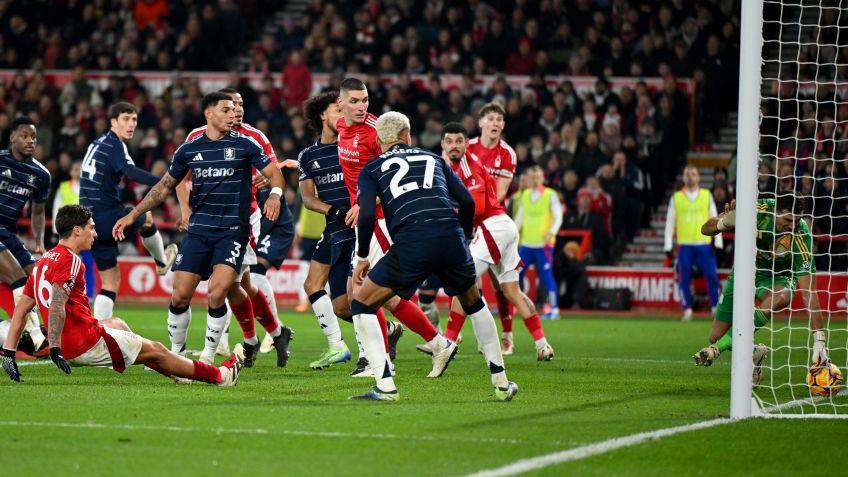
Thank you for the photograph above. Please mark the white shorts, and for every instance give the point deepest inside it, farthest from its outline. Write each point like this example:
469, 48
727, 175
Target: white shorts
128, 342
495, 247
381, 242
248, 260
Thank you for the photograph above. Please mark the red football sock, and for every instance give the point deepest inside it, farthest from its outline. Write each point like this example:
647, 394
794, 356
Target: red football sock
415, 319
381, 317
206, 373
244, 316
264, 314
454, 325
534, 325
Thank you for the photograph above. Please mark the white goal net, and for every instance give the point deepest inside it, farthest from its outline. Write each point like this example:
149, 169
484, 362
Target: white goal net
802, 156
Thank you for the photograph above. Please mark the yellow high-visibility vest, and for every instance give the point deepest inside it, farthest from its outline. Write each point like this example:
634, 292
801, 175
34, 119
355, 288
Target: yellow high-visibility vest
536, 218
690, 216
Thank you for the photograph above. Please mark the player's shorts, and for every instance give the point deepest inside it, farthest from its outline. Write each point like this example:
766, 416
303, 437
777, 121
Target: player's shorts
105, 248
764, 283
340, 256
274, 238
495, 246
118, 349
9, 241
431, 283
249, 259
323, 251
200, 253
381, 242
410, 262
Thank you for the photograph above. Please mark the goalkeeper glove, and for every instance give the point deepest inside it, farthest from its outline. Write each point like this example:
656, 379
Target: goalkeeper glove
59, 360
338, 215
820, 357
727, 221
10, 365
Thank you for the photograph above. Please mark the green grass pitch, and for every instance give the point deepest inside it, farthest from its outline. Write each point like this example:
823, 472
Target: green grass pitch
612, 376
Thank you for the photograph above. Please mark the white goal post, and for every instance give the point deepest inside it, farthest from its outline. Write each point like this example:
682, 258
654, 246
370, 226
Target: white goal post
792, 141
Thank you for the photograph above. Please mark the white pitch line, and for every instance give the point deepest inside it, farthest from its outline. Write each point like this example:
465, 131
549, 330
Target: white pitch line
33, 363
582, 452
260, 431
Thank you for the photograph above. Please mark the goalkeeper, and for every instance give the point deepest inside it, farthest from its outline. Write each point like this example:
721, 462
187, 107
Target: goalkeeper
784, 263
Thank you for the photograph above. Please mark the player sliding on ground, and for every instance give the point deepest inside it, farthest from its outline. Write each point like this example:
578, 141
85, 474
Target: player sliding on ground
416, 189
75, 337
784, 263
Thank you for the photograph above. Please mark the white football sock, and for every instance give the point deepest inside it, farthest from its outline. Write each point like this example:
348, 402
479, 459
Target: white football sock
262, 283
178, 329
103, 306
323, 308
541, 343
4, 330
214, 330
32, 325
359, 343
155, 247
487, 338
375, 350
507, 335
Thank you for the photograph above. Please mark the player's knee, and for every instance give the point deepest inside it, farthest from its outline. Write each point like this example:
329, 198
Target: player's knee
341, 308
311, 285
180, 302
217, 297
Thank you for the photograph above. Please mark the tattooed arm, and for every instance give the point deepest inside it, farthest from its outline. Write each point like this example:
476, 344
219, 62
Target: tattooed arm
55, 325
156, 196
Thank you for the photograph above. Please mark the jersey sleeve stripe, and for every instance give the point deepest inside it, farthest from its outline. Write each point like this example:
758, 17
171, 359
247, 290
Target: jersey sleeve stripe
510, 150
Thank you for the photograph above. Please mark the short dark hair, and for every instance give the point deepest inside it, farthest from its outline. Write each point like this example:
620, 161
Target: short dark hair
212, 99
228, 91
315, 106
71, 216
790, 203
454, 128
121, 107
20, 121
352, 84
493, 107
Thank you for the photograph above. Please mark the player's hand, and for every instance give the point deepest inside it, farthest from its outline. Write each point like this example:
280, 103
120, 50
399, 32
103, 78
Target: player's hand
730, 206
182, 224
338, 215
272, 207
288, 164
120, 225
10, 365
59, 360
352, 215
820, 357
360, 271
39, 248
261, 182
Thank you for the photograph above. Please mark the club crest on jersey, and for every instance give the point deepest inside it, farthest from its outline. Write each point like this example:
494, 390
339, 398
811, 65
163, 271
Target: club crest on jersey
229, 153
498, 161
31, 180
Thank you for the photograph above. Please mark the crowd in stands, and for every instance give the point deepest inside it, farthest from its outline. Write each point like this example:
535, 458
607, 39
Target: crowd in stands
612, 153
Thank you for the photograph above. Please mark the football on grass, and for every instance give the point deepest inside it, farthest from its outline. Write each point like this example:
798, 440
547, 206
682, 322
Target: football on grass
825, 380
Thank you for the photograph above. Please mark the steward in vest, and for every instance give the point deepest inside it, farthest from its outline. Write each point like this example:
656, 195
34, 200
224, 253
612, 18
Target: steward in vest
688, 209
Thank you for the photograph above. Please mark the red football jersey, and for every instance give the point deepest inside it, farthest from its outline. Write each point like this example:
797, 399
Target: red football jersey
62, 267
500, 160
257, 136
482, 186
357, 145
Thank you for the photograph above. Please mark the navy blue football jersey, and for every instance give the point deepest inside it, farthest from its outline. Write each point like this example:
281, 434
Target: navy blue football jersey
320, 162
20, 181
106, 162
415, 188
221, 180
